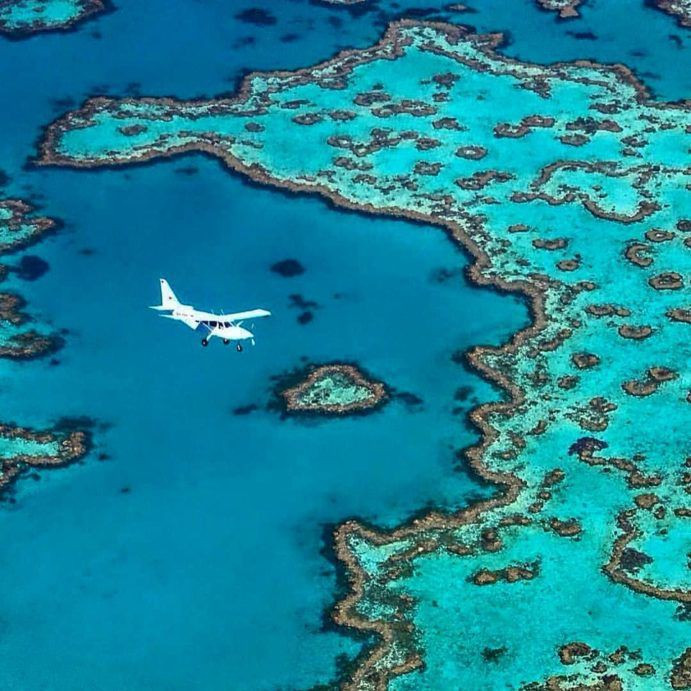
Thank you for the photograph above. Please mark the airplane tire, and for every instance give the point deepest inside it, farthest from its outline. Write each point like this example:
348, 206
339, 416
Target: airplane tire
205, 342
226, 341
239, 347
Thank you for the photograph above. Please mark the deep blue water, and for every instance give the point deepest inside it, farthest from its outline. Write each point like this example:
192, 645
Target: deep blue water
195, 556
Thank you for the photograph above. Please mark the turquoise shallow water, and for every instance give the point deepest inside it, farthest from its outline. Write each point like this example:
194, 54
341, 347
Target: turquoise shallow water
193, 558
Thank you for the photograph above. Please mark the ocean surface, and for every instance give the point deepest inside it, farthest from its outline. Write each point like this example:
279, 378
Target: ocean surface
192, 549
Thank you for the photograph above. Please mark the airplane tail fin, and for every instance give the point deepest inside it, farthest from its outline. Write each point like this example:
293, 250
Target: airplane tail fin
168, 299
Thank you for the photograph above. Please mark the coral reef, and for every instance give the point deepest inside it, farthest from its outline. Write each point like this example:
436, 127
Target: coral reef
20, 18
554, 221
22, 449
680, 9
334, 389
566, 8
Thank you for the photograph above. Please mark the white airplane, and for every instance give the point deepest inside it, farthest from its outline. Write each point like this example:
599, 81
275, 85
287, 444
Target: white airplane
226, 326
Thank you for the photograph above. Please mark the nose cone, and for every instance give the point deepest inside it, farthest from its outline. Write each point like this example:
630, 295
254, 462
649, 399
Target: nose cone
244, 333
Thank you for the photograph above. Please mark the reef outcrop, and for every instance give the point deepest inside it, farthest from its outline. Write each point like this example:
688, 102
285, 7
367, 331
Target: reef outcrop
567, 9
23, 449
334, 389
680, 9
20, 18
19, 228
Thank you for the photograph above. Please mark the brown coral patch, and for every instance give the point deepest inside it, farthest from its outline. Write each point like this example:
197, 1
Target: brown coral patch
669, 280
570, 653
569, 528
525, 126
418, 109
585, 360
474, 153
131, 130
553, 244
567, 382
510, 574
636, 254
679, 314
574, 139
425, 168
490, 540
308, 118
646, 500
427, 143
482, 178
608, 310
657, 235
650, 383
637, 333
446, 124
592, 125
569, 264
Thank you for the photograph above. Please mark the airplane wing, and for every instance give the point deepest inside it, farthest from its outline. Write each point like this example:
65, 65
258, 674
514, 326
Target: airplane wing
250, 314
188, 321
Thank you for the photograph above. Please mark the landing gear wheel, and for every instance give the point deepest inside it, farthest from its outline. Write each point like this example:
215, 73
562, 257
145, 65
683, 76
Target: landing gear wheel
238, 347
205, 342
226, 341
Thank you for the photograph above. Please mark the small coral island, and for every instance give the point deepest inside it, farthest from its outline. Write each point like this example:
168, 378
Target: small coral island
334, 389
19, 18
17, 228
22, 448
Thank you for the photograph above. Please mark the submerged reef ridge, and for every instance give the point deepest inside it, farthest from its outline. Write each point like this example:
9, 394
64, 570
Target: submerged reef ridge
334, 389
576, 196
19, 18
